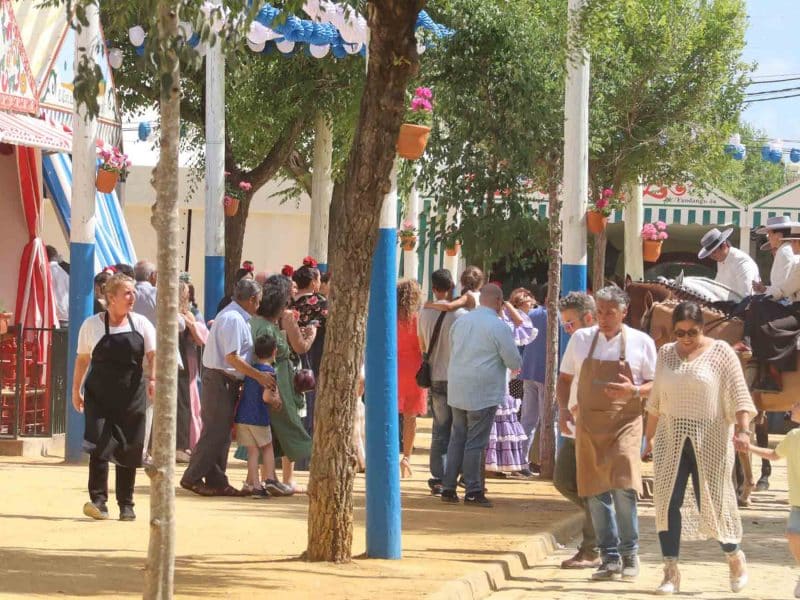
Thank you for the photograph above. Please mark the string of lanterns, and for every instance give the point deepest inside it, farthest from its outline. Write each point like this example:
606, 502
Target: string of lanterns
771, 152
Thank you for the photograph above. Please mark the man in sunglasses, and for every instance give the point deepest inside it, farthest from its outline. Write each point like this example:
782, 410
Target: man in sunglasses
614, 365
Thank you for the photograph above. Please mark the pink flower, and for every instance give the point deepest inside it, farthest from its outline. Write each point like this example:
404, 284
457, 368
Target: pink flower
601, 204
418, 104
608, 192
663, 235
228, 201
661, 226
312, 300
245, 185
424, 92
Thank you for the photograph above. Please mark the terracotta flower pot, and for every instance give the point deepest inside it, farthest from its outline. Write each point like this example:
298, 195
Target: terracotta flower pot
408, 243
453, 250
5, 319
596, 222
651, 250
106, 181
231, 206
412, 140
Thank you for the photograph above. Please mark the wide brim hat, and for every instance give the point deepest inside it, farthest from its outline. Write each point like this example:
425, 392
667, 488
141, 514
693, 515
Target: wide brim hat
794, 233
779, 222
712, 240
765, 247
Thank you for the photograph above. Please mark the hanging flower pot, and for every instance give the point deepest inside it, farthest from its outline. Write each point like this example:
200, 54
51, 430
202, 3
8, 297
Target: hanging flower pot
596, 222
412, 140
408, 242
5, 319
231, 206
651, 250
453, 250
106, 181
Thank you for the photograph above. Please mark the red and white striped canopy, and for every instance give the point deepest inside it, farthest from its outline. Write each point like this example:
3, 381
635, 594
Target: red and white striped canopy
22, 130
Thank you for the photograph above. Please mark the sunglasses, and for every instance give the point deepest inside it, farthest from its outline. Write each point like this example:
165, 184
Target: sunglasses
681, 333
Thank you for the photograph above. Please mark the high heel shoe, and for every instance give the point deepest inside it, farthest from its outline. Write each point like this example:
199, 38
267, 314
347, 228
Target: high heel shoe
405, 468
739, 577
672, 578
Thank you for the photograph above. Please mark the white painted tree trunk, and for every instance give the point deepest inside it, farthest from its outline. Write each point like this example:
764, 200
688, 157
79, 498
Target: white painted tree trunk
160, 567
411, 258
634, 219
321, 189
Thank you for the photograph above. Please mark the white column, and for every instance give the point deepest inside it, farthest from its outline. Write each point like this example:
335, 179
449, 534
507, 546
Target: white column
321, 190
215, 180
411, 258
82, 225
634, 219
576, 164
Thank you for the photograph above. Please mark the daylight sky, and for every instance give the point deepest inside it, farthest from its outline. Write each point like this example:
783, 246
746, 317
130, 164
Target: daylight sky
771, 42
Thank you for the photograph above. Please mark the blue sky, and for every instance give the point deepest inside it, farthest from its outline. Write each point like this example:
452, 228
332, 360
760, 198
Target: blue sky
771, 42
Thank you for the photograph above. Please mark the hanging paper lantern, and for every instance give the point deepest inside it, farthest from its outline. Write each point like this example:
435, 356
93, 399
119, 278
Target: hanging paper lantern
765, 152
352, 48
256, 47
258, 34
285, 46
145, 130
140, 50
740, 152
319, 51
185, 29
136, 35
115, 58
794, 155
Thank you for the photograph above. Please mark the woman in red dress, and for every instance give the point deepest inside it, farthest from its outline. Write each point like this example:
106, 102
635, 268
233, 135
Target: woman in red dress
411, 399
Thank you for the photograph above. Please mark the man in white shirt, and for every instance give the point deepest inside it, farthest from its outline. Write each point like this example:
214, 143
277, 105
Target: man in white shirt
615, 366
145, 275
735, 268
60, 279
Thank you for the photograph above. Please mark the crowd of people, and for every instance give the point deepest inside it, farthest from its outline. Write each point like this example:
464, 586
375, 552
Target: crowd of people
476, 364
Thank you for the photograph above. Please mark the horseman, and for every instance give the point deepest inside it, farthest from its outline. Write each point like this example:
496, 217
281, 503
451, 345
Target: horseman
772, 322
735, 268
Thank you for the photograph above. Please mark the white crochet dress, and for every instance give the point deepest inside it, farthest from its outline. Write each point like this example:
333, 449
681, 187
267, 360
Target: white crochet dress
699, 399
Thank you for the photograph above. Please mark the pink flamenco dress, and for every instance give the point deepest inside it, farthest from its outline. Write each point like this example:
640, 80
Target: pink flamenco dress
411, 399
506, 450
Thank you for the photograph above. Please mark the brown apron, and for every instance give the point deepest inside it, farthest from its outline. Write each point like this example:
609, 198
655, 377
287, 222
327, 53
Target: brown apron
608, 432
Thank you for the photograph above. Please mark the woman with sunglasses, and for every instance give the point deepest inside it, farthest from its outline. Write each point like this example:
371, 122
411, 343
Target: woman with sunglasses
699, 409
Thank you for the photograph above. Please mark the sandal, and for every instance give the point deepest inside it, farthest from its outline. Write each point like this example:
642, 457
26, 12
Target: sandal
405, 468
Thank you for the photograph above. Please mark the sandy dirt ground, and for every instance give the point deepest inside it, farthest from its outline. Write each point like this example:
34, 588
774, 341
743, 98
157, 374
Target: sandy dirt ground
246, 548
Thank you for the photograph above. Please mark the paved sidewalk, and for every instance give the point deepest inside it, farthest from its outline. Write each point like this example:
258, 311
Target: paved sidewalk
703, 568
245, 548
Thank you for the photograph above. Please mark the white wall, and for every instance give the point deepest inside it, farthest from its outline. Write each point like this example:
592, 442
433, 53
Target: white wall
276, 234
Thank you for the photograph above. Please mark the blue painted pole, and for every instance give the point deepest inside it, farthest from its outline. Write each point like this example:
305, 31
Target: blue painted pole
82, 236
214, 279
384, 534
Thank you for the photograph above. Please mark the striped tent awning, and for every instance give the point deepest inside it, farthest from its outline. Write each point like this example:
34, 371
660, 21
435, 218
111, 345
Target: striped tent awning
676, 216
113, 242
22, 130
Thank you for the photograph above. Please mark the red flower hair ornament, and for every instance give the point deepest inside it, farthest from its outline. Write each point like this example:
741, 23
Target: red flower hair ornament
287, 271
310, 261
248, 266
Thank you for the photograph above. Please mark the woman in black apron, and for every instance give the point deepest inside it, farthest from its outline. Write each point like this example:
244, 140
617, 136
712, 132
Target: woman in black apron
112, 345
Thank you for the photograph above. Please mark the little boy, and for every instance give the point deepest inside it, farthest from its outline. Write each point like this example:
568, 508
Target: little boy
252, 421
789, 448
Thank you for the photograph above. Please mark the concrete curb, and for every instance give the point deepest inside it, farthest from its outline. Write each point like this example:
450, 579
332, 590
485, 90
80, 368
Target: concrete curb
487, 578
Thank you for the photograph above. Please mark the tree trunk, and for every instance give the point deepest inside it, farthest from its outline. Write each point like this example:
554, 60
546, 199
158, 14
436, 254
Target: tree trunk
355, 215
547, 439
234, 239
160, 568
599, 260
321, 189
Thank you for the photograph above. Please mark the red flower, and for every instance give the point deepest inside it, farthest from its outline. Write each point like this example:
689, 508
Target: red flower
312, 300
287, 270
309, 261
324, 312
248, 266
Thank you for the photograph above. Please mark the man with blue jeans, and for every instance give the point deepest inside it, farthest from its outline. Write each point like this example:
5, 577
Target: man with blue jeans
482, 348
438, 358
615, 366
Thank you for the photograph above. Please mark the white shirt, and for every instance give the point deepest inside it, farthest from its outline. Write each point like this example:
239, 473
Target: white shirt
781, 268
790, 288
60, 290
230, 333
94, 328
738, 272
640, 352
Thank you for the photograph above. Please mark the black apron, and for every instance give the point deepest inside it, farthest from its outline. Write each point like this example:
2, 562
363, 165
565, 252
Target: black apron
115, 398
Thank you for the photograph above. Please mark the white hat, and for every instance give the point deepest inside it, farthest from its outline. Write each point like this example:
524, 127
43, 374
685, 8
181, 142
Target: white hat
780, 222
712, 240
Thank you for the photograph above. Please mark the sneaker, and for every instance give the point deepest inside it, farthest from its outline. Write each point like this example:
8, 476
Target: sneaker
478, 499
630, 567
449, 496
433, 482
277, 489
259, 493
436, 490
608, 570
527, 473
96, 511
126, 513
581, 560
763, 484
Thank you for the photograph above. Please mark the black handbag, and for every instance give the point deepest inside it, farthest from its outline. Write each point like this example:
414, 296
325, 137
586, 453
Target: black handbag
423, 377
